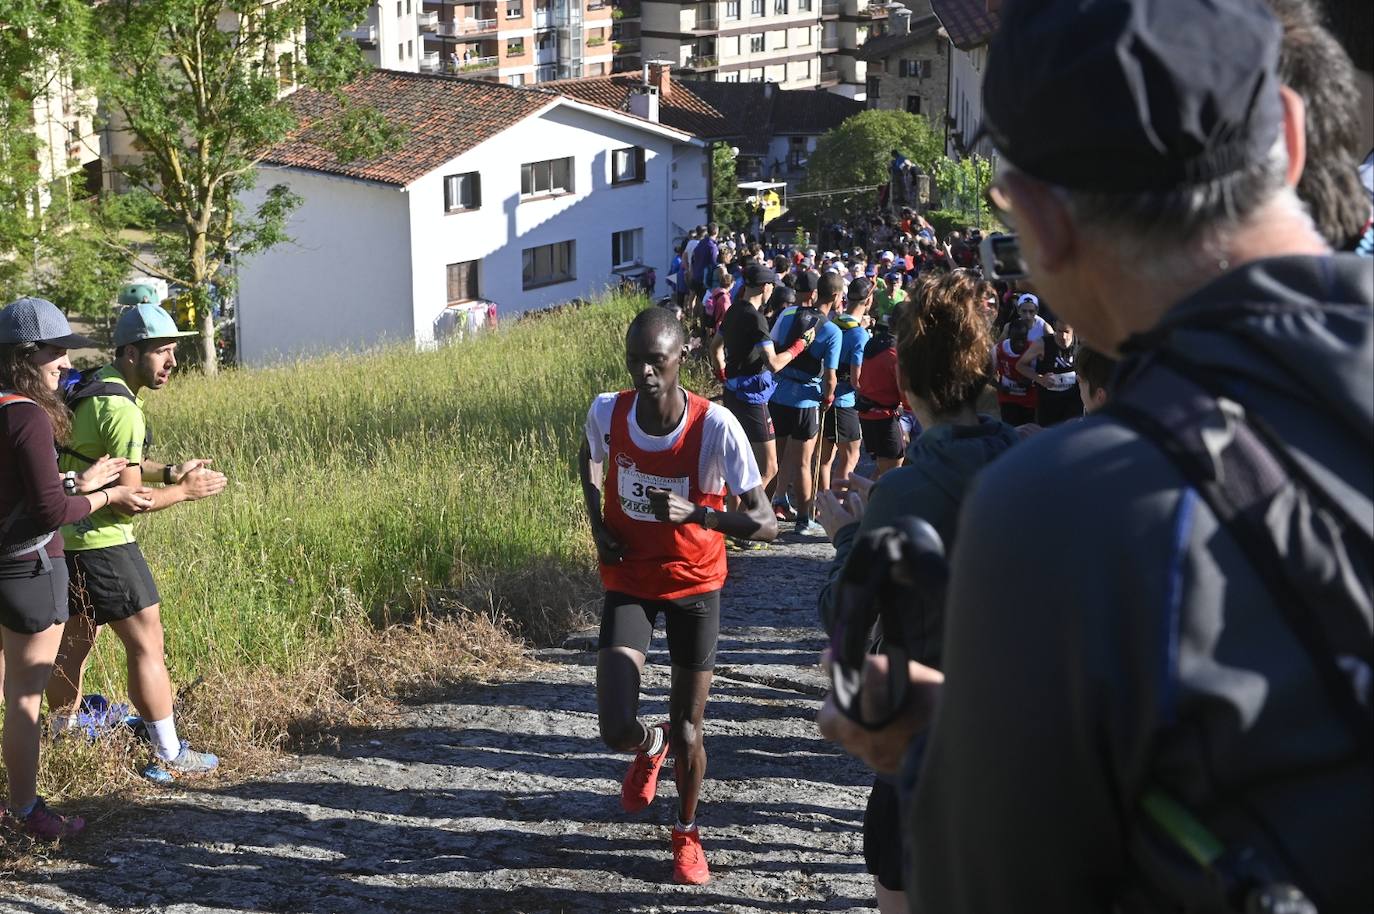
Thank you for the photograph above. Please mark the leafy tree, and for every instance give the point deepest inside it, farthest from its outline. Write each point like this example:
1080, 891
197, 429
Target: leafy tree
196, 86
727, 206
962, 184
857, 152
40, 42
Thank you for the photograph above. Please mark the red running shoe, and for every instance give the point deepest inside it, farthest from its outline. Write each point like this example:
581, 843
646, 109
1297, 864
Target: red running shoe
641, 781
42, 824
689, 860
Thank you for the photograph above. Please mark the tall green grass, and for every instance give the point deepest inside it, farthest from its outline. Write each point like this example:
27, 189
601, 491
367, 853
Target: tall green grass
361, 484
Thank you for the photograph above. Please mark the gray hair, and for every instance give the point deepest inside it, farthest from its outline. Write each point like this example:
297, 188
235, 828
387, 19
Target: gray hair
1185, 230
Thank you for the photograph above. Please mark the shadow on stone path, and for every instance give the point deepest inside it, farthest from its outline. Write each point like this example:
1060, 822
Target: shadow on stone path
504, 800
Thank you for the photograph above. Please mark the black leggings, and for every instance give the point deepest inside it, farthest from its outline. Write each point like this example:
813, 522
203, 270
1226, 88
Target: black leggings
693, 624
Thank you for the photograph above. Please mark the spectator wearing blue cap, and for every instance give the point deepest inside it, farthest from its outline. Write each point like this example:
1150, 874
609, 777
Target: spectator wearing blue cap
1179, 717
111, 583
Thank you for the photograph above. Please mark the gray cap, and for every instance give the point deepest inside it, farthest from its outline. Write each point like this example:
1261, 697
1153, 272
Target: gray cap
37, 320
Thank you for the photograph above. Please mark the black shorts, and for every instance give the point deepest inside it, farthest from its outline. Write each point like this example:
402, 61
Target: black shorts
758, 424
32, 599
1016, 413
800, 423
1058, 406
692, 623
841, 425
112, 583
883, 438
883, 836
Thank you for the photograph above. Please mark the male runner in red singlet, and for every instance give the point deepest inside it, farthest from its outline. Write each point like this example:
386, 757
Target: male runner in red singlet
669, 456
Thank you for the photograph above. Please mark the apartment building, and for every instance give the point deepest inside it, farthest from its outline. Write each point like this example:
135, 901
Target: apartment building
390, 36
908, 68
518, 42
795, 43
68, 144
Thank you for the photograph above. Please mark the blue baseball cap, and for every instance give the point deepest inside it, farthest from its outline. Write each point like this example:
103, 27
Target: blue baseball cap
37, 320
146, 322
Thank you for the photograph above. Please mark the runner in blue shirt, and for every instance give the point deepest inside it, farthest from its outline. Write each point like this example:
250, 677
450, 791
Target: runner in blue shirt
805, 389
840, 428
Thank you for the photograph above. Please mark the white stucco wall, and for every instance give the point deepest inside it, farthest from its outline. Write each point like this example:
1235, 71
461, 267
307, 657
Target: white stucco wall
368, 262
966, 92
343, 282
504, 226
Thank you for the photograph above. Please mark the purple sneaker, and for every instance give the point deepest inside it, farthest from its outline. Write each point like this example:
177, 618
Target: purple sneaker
42, 824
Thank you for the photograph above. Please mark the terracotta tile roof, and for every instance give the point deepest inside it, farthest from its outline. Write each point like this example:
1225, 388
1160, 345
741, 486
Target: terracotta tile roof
969, 22
443, 116
885, 45
682, 109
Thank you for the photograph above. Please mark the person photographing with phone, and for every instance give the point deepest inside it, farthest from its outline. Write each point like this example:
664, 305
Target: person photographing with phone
664, 459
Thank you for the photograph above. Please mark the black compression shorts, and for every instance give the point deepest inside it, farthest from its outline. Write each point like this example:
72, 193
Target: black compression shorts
754, 417
692, 623
883, 437
800, 423
883, 836
841, 425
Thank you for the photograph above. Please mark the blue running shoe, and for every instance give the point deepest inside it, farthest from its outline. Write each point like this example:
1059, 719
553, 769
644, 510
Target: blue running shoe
187, 764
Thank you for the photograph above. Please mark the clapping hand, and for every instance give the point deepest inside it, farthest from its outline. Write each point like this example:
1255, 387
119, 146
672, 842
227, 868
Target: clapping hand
843, 504
100, 474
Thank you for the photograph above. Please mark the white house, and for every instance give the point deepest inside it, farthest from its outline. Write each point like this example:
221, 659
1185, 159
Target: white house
970, 25
521, 198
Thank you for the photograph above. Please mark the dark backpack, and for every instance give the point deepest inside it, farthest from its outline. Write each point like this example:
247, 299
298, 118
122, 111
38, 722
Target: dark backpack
1311, 554
79, 386
805, 318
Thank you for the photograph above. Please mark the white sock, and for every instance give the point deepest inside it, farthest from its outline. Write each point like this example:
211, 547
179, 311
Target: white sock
657, 739
61, 723
692, 826
163, 733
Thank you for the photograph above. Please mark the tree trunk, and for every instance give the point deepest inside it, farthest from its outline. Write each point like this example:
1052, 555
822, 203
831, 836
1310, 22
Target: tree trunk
200, 294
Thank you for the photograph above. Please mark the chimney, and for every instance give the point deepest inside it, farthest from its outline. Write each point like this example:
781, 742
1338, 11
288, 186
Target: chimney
659, 77
900, 21
644, 102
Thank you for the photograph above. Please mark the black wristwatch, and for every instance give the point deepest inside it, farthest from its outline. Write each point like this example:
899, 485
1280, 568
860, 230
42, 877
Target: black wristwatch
167, 474
69, 482
710, 517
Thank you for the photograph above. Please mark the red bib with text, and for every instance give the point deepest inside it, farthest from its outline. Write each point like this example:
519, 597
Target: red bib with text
662, 561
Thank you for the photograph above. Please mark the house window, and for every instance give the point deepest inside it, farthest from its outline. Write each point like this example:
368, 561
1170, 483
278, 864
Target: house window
398, 9
872, 87
462, 192
410, 49
804, 69
515, 47
756, 7
913, 104
627, 248
407, 7
401, 51
515, 9
544, 40
756, 43
462, 282
804, 6
731, 9
731, 77
627, 165
552, 176
730, 46
914, 68
806, 39
780, 7
547, 264
781, 39
517, 80
286, 70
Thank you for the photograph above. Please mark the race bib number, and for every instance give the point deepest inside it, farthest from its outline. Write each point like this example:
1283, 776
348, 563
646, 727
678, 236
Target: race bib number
634, 490
1061, 380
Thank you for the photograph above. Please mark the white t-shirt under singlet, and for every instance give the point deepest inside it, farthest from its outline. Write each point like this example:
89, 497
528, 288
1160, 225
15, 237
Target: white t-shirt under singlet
727, 460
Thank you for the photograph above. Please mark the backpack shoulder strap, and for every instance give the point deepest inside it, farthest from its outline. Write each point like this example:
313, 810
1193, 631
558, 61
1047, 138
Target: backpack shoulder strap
1307, 552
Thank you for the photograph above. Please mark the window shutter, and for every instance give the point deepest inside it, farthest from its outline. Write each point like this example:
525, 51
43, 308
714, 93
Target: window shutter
476, 190
639, 163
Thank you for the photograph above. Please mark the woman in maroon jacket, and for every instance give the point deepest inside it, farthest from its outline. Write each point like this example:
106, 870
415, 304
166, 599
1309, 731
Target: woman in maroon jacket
34, 502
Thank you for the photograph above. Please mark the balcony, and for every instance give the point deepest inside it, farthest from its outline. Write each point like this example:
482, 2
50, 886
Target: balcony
363, 34
872, 10
596, 47
830, 43
625, 11
470, 65
430, 62
830, 7
702, 62
467, 27
625, 46
427, 20
830, 77
705, 23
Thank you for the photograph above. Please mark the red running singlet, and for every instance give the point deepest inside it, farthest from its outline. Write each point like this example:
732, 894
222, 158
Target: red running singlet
662, 561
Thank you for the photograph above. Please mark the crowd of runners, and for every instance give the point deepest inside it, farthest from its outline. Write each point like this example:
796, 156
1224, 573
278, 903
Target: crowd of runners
1155, 621
1118, 661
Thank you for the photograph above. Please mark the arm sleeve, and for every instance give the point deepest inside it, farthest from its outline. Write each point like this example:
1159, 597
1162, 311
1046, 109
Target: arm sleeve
47, 505
598, 426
